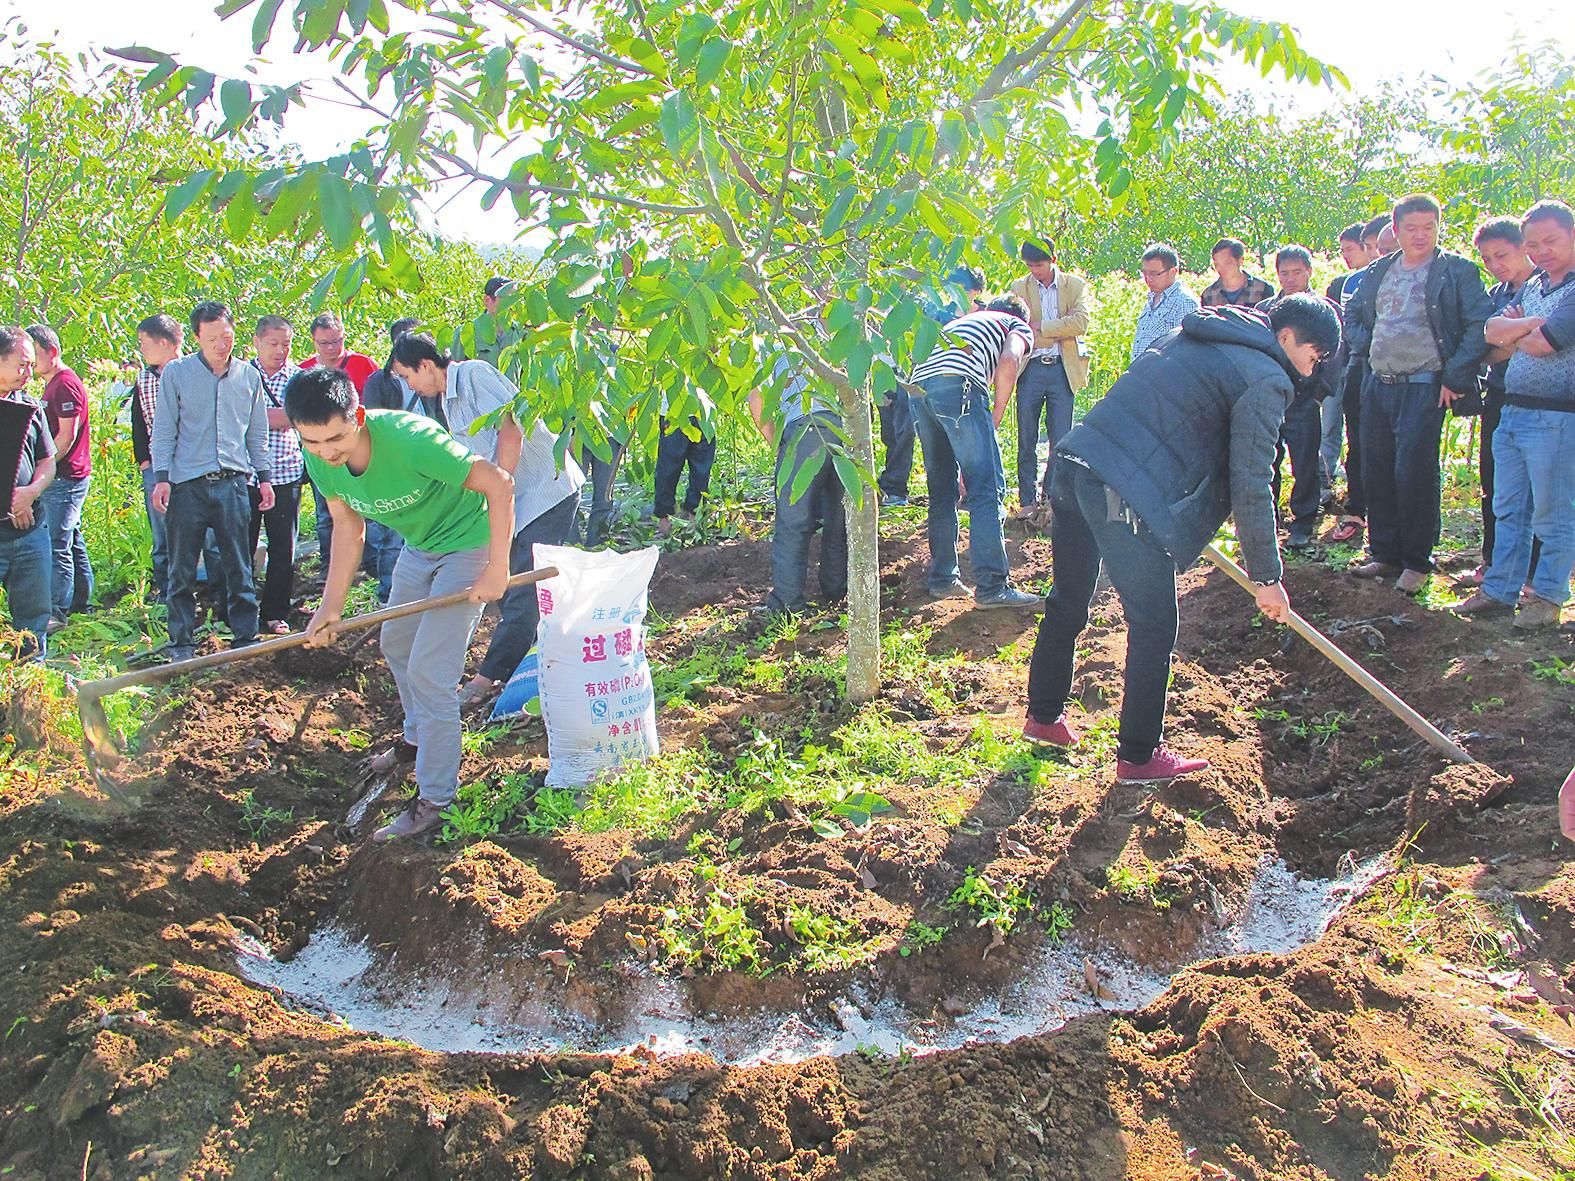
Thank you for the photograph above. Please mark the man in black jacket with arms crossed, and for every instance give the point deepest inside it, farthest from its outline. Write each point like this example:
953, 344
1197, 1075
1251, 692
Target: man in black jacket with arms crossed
1186, 437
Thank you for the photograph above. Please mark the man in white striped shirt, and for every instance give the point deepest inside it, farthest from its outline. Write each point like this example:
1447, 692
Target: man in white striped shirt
957, 419
545, 495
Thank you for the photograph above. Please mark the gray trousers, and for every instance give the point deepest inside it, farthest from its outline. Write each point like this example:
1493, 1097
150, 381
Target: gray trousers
426, 654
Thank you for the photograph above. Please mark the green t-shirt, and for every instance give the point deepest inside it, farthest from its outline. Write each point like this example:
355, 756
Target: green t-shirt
414, 484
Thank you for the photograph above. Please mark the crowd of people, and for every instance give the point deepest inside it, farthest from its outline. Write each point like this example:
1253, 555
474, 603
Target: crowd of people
423, 478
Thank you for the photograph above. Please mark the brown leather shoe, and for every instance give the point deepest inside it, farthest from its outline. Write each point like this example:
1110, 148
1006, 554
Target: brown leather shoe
1481, 606
1375, 570
416, 820
1410, 581
402, 753
1537, 614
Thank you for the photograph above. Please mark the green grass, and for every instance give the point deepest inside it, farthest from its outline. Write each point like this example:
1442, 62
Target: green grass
828, 944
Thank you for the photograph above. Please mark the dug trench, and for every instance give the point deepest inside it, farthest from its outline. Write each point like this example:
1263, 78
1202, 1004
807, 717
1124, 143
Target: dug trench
1330, 956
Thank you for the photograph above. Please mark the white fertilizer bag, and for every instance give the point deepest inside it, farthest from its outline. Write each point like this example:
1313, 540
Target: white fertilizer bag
596, 694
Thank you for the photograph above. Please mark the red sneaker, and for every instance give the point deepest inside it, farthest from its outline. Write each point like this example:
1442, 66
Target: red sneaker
1163, 764
1056, 733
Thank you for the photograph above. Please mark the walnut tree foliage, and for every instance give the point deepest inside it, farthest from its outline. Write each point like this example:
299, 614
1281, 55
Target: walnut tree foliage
723, 180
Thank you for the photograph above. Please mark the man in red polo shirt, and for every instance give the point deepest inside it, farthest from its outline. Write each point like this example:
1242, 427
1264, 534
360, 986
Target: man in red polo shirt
328, 338
66, 406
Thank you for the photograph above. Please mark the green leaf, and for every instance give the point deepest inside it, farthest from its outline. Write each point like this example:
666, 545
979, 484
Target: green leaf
333, 201
851, 482
713, 56
262, 24
141, 54
230, 7
235, 100
680, 125
805, 475
837, 212
184, 194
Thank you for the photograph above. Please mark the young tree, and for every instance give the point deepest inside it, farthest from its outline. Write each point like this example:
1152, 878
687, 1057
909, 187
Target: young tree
726, 181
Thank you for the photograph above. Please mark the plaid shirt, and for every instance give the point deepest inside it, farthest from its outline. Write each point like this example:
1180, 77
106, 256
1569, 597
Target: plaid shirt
148, 392
284, 447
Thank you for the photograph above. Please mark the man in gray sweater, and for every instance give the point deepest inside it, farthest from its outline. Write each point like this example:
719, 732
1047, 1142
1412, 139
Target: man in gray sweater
210, 434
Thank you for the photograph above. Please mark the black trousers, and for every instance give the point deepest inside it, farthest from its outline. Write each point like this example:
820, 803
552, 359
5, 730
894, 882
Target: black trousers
1301, 435
1081, 536
897, 436
280, 522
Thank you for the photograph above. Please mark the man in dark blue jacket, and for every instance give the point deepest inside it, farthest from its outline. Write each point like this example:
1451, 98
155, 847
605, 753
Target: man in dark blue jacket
1416, 320
1184, 439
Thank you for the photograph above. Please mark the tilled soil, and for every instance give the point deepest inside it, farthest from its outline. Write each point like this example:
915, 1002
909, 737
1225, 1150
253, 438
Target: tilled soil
1402, 1043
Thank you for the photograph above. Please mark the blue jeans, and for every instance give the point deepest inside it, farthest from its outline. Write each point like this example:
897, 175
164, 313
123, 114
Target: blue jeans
161, 549
225, 506
896, 436
673, 450
596, 499
958, 435
324, 526
1401, 428
519, 613
821, 504
1533, 494
383, 547
1082, 535
1043, 391
1332, 412
62, 504
25, 573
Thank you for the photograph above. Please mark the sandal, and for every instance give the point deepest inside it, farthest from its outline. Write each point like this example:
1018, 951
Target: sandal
276, 627
1349, 529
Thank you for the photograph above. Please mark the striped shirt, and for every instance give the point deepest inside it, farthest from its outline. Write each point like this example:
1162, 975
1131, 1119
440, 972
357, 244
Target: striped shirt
284, 447
148, 393
973, 345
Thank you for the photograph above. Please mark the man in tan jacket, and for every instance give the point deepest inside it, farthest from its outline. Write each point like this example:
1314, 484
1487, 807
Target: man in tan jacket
1058, 368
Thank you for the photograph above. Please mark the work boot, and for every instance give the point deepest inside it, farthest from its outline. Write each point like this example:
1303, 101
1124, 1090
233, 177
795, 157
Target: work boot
1007, 596
400, 754
1056, 733
955, 589
421, 817
1374, 570
1162, 765
1537, 614
1481, 606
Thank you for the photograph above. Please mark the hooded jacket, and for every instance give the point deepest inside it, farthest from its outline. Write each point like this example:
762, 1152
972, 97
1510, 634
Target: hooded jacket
1186, 436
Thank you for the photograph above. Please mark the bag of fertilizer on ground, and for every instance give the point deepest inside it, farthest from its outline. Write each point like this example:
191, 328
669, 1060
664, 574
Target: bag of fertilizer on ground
595, 683
522, 695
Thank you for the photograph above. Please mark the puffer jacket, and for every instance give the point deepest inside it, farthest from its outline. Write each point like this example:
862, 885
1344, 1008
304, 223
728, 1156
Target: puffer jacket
1186, 436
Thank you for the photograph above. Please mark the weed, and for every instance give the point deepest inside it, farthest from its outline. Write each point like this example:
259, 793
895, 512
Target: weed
714, 933
1487, 703
829, 944
552, 809
1138, 885
1555, 669
1057, 920
998, 905
478, 742
918, 936
483, 807
1371, 763
257, 818
353, 739
1318, 730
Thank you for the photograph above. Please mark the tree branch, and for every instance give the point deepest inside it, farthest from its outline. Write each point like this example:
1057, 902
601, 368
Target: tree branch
574, 43
1001, 80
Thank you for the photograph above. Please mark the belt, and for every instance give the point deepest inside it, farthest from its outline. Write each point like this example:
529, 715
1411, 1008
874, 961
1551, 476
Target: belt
1055, 360
1425, 378
221, 474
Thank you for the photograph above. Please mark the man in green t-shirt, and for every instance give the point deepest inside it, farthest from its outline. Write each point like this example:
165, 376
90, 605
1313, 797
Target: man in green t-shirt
455, 511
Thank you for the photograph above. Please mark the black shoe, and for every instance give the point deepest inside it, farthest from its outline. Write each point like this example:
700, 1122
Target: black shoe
176, 654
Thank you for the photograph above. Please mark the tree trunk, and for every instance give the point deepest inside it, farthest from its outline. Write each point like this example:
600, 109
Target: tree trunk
863, 558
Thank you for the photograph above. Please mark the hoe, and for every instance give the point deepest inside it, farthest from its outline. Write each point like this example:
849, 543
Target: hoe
100, 745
